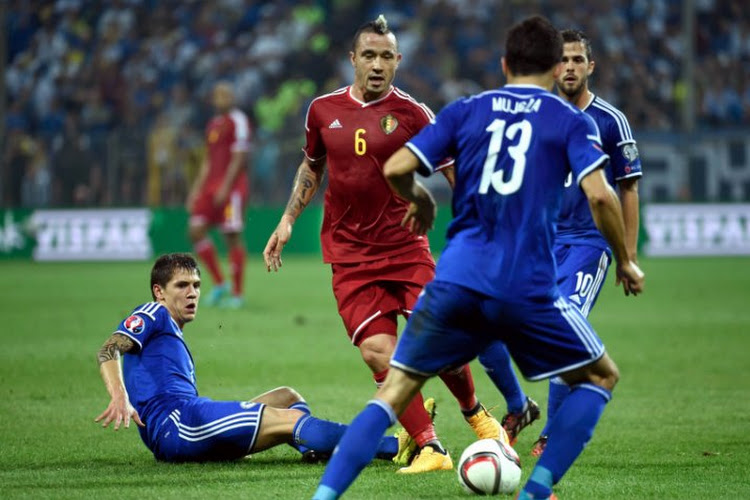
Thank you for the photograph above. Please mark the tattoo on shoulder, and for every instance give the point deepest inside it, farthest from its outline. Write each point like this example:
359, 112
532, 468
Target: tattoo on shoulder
114, 346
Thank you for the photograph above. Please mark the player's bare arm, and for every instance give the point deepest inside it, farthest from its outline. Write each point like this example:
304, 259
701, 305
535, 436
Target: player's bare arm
307, 180
197, 184
399, 171
236, 164
119, 410
450, 175
607, 214
628, 190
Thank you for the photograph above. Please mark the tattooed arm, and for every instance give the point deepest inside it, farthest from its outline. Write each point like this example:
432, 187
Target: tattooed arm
306, 184
119, 409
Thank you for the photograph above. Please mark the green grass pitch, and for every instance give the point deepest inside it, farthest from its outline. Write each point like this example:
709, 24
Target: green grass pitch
678, 426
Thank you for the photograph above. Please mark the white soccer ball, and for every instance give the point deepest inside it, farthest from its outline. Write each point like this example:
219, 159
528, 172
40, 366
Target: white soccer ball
489, 467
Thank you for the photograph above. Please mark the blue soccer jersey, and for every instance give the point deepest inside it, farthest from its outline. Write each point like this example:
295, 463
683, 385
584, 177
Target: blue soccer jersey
161, 368
510, 169
575, 224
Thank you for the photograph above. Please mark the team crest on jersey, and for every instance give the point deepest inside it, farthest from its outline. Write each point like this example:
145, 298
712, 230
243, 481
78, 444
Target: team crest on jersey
134, 324
388, 123
630, 152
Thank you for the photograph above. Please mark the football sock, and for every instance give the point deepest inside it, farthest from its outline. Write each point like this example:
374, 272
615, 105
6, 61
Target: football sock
356, 449
461, 385
473, 411
323, 435
414, 418
558, 389
304, 408
496, 362
539, 484
237, 268
207, 252
570, 430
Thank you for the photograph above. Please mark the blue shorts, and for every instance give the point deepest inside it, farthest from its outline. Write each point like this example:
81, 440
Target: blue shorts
581, 272
452, 324
200, 430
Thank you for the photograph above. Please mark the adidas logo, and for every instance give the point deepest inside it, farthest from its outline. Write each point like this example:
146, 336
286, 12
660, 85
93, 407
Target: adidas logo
335, 124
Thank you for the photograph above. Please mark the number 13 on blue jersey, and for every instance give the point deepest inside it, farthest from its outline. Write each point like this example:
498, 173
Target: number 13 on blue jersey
517, 152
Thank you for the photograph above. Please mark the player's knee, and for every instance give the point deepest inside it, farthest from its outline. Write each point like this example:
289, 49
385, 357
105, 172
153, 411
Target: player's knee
376, 359
288, 396
608, 374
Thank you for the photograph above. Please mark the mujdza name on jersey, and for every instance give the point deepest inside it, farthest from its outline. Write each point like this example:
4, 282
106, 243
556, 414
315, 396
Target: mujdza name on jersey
513, 106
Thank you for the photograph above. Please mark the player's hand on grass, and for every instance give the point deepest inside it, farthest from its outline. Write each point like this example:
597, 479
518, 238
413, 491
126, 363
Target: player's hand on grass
119, 411
631, 277
420, 216
279, 238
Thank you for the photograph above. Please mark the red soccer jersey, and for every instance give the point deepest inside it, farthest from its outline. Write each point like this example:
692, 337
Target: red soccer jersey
362, 216
226, 134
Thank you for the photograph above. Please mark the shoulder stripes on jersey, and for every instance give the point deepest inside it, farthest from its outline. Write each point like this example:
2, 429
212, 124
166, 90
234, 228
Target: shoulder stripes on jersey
622, 123
241, 130
148, 309
249, 418
403, 95
340, 91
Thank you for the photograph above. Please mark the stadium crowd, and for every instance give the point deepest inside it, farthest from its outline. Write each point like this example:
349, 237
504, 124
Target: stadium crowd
106, 101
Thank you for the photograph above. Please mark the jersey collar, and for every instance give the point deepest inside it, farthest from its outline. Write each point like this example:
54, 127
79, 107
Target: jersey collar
369, 103
524, 86
592, 96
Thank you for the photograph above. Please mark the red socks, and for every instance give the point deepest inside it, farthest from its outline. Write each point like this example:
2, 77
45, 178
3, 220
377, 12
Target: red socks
237, 268
207, 253
415, 419
461, 385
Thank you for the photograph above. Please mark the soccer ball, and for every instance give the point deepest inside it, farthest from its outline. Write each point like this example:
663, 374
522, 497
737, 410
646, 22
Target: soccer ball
489, 467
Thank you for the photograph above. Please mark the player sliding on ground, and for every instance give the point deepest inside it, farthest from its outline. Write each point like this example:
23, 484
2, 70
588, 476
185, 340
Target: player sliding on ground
156, 386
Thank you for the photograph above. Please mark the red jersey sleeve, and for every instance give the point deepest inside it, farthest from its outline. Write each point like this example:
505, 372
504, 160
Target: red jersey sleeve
314, 148
241, 129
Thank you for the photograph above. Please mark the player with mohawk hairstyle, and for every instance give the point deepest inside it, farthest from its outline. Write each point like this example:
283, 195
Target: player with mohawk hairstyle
496, 278
379, 266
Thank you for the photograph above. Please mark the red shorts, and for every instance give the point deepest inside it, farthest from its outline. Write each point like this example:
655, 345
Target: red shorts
370, 295
230, 216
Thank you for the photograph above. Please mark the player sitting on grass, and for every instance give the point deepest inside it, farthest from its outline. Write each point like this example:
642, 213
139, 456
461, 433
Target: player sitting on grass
156, 387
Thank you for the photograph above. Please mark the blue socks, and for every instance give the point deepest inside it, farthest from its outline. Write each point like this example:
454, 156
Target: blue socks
323, 435
570, 430
356, 449
496, 362
558, 389
304, 408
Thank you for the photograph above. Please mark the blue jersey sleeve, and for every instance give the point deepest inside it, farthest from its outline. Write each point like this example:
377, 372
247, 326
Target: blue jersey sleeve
624, 158
585, 153
435, 142
143, 322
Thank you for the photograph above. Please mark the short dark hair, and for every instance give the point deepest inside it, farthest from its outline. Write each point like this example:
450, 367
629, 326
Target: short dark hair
573, 36
532, 46
167, 265
378, 26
